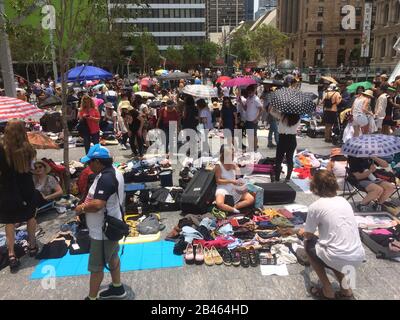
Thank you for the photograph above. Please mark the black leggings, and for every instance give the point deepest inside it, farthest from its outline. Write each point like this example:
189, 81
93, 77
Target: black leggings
286, 146
137, 144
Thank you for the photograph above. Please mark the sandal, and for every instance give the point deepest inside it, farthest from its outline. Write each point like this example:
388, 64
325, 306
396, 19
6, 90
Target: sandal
319, 294
341, 296
14, 263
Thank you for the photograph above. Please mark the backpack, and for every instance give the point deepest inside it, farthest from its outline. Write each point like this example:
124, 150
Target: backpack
328, 104
150, 225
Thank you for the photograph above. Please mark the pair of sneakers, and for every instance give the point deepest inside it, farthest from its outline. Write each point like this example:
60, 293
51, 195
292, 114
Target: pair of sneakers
111, 293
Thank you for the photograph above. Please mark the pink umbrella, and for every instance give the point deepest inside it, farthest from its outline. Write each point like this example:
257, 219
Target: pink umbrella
98, 101
11, 108
240, 82
146, 82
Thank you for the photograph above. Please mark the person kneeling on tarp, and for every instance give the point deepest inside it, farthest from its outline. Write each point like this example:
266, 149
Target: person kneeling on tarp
227, 184
338, 247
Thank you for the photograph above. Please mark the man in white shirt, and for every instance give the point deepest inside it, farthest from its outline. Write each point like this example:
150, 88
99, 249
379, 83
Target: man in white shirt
380, 108
252, 107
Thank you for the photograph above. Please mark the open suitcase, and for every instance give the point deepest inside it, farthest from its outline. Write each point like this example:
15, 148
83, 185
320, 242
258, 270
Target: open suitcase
277, 193
380, 251
199, 193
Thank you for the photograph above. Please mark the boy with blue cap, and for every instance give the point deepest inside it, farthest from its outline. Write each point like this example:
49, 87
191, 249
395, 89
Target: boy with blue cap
105, 194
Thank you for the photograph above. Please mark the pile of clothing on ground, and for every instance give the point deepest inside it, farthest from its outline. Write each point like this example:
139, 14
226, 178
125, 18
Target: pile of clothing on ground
305, 161
73, 237
251, 238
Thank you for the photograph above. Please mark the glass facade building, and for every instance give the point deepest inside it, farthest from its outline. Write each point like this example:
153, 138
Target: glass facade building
171, 22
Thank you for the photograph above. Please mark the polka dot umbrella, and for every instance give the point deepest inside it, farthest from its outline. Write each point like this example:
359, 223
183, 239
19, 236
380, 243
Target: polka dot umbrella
372, 145
292, 101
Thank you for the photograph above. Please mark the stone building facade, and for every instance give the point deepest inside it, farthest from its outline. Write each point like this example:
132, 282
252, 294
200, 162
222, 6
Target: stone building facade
317, 37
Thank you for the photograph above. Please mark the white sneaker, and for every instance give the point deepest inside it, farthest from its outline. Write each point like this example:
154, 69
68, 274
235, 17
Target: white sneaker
123, 147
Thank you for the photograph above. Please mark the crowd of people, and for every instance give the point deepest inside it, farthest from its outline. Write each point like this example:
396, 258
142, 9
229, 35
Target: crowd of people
113, 108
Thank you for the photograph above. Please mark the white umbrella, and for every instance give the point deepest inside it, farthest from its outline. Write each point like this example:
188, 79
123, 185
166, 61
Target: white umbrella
144, 94
200, 91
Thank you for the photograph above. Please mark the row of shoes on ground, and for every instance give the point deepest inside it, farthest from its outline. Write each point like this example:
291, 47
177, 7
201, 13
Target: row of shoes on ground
198, 255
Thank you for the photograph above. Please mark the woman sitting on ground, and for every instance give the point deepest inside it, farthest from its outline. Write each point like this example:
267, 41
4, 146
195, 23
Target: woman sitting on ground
48, 187
227, 184
338, 246
377, 190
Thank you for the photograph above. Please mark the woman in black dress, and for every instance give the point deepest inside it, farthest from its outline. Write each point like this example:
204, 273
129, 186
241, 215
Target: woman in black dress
17, 190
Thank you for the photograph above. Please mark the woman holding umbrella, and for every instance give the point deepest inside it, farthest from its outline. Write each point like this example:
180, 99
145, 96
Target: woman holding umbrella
17, 190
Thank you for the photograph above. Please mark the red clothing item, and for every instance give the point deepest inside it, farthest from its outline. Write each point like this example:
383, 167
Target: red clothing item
93, 125
83, 181
219, 243
167, 116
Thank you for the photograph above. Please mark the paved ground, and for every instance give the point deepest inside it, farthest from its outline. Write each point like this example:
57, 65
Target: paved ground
376, 279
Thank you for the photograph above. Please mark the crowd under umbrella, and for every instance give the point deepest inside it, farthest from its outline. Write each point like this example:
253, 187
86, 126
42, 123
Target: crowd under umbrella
176, 76
41, 141
12, 108
240, 82
353, 87
200, 91
292, 101
84, 73
372, 145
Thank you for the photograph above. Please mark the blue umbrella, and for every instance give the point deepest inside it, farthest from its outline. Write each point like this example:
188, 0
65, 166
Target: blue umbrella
83, 73
372, 145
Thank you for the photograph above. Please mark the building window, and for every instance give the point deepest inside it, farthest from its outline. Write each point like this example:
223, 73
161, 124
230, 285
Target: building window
386, 15
320, 11
304, 54
383, 48
305, 43
358, 25
287, 53
292, 58
319, 42
358, 11
319, 26
341, 57
318, 57
306, 27
342, 42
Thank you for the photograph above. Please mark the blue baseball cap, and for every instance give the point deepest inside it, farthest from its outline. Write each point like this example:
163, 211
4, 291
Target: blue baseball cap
96, 152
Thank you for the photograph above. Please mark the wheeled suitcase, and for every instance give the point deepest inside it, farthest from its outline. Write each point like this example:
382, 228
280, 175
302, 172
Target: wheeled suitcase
277, 193
380, 251
199, 193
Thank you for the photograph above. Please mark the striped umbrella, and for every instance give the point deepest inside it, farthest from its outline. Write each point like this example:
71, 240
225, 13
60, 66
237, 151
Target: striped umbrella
372, 145
200, 91
12, 108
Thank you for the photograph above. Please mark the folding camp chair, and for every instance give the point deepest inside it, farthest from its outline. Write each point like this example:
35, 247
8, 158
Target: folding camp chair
350, 182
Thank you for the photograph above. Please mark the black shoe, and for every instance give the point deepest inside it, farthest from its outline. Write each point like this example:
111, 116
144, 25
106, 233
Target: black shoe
271, 146
227, 257
14, 264
377, 207
363, 208
235, 258
113, 293
244, 258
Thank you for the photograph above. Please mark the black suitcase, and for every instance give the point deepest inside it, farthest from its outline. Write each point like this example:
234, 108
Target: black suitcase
166, 199
200, 193
277, 193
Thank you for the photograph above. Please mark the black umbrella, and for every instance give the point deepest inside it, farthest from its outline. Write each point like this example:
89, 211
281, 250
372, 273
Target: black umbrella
155, 104
176, 76
51, 102
292, 101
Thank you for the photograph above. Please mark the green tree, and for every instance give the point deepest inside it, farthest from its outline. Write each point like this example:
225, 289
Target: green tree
208, 52
269, 43
190, 55
241, 45
145, 52
174, 58
28, 47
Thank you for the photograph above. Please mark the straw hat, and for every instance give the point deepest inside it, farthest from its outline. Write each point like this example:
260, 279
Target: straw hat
336, 152
368, 93
165, 99
109, 105
215, 105
44, 164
